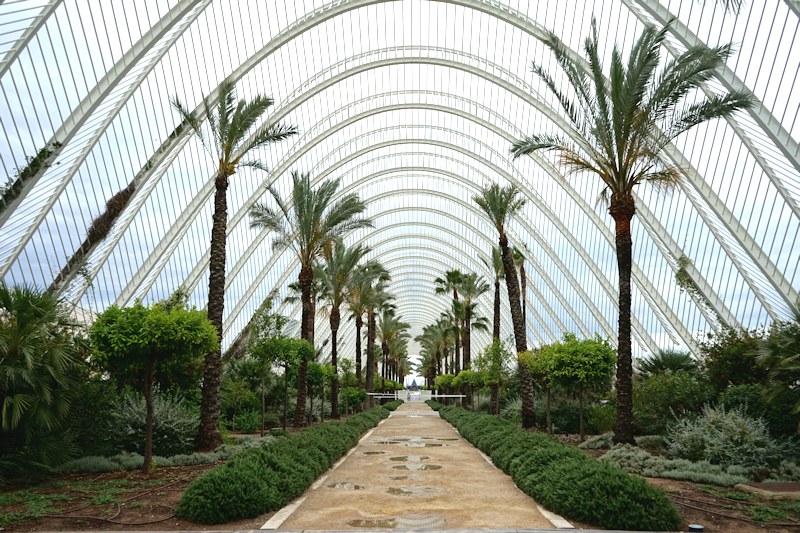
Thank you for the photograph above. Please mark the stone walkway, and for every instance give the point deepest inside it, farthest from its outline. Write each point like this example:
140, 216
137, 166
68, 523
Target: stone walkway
414, 471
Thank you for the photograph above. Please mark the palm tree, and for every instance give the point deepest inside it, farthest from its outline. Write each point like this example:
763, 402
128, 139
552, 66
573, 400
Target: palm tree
454, 318
39, 365
473, 286
357, 302
376, 300
779, 353
666, 361
231, 124
335, 276
452, 282
391, 330
500, 204
310, 225
496, 268
519, 261
620, 126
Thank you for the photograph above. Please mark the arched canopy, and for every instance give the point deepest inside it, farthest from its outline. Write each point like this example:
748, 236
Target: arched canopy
413, 104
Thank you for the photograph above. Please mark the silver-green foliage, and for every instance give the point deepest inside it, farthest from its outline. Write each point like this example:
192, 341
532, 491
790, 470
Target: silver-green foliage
174, 424
638, 461
724, 437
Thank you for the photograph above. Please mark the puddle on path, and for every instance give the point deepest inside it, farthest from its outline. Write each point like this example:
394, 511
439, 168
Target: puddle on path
347, 485
374, 523
417, 466
373, 453
388, 442
410, 458
397, 478
405, 522
417, 444
451, 438
409, 491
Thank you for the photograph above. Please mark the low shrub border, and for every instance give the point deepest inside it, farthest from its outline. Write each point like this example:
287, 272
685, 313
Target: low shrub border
564, 479
266, 478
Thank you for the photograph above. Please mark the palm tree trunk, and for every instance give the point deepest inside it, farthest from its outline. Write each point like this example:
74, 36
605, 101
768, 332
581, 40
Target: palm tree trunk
622, 210
148, 417
305, 279
208, 436
335, 319
521, 344
496, 323
467, 350
359, 323
524, 289
369, 381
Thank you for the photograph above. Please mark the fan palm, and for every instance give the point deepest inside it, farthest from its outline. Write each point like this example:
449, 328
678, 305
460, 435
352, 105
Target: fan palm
496, 267
779, 353
666, 361
231, 124
500, 204
310, 225
620, 127
335, 276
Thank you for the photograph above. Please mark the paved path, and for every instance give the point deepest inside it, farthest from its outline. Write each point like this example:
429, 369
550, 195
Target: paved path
414, 471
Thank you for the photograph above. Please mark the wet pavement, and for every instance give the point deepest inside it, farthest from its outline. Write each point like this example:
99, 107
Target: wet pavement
413, 471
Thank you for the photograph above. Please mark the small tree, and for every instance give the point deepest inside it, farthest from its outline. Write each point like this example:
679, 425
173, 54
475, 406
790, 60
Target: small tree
539, 363
491, 363
132, 342
267, 326
581, 366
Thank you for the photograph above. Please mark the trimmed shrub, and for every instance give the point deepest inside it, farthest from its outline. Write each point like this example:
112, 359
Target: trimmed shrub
564, 479
662, 398
266, 478
247, 422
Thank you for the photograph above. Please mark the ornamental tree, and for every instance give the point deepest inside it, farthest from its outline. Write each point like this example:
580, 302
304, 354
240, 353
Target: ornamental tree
132, 343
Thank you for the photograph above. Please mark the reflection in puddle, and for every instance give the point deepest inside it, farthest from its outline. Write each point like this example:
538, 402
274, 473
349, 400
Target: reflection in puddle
408, 491
406, 522
449, 439
423, 444
410, 458
347, 485
417, 466
376, 523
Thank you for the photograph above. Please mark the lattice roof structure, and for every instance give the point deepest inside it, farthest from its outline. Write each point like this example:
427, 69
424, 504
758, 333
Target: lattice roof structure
414, 105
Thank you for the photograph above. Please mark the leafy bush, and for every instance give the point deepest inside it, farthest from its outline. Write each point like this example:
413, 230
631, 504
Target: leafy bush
725, 437
602, 418
663, 397
174, 424
266, 478
564, 479
730, 358
247, 421
752, 399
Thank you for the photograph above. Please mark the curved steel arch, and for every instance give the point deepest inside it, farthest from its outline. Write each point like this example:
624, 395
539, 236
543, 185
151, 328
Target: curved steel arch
494, 9
163, 255
639, 278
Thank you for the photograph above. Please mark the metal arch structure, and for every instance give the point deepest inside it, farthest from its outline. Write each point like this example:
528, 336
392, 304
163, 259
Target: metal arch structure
518, 19
748, 257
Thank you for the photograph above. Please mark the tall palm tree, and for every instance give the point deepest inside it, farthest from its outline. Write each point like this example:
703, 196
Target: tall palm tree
519, 261
473, 286
451, 282
391, 329
335, 276
310, 225
496, 267
377, 300
620, 127
358, 299
500, 204
453, 318
231, 124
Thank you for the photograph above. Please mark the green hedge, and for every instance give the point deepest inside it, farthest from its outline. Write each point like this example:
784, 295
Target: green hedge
564, 479
266, 478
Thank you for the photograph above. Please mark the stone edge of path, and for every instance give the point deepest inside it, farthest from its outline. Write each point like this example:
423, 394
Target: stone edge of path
282, 515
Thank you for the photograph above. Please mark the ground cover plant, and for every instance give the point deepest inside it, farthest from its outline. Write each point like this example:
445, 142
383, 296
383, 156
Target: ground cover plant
266, 478
563, 478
